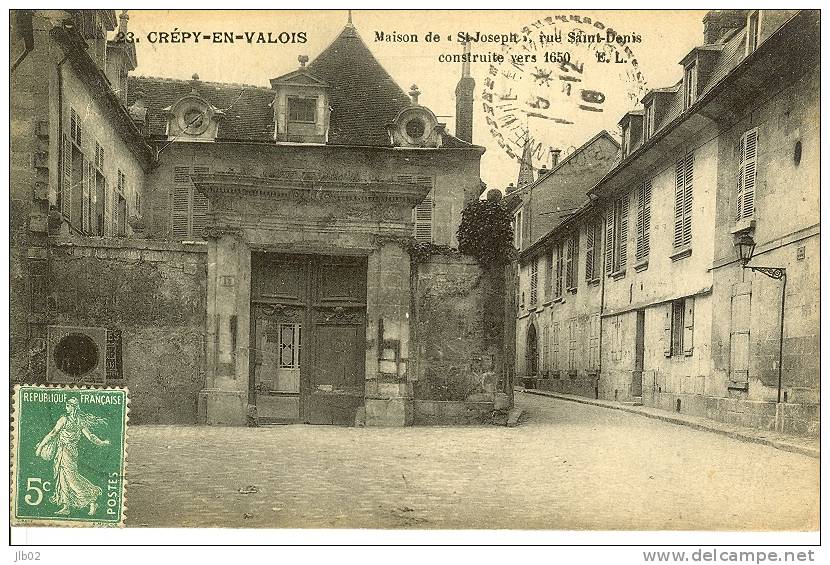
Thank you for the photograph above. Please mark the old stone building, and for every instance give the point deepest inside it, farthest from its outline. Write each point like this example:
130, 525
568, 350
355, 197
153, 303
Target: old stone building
260, 265
729, 151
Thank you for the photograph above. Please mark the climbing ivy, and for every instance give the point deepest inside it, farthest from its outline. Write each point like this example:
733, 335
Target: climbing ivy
485, 233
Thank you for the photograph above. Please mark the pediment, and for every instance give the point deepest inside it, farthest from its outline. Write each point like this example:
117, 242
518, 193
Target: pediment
299, 77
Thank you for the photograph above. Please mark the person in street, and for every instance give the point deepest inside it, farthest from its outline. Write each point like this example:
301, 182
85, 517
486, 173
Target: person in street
61, 444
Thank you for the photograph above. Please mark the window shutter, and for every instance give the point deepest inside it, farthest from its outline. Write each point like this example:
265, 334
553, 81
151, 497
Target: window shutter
739, 335
687, 199
559, 264
555, 353
199, 207
180, 210
643, 220
575, 272
423, 211
678, 203
569, 264
689, 325
589, 251
609, 243
66, 191
548, 274
534, 281
739, 208
623, 243
85, 198
667, 320
748, 173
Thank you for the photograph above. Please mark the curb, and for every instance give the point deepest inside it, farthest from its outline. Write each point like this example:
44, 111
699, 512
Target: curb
783, 445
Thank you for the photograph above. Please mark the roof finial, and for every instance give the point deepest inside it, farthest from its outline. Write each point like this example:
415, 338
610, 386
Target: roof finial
303, 59
414, 93
349, 23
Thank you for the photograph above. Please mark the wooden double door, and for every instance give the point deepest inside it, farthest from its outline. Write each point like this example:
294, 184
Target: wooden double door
308, 336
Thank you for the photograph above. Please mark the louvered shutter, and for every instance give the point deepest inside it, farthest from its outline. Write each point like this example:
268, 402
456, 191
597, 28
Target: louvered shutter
689, 326
66, 189
643, 220
200, 208
623, 243
609, 243
667, 320
679, 188
687, 199
589, 251
180, 210
747, 174
569, 264
560, 262
555, 348
85, 198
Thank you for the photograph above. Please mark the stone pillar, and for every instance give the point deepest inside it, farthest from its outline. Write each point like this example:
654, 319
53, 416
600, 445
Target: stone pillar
224, 399
388, 384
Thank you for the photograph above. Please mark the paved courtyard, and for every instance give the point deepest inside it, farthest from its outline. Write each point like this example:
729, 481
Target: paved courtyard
568, 466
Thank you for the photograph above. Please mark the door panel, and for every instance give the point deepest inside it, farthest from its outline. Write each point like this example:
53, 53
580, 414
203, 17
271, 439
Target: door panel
308, 338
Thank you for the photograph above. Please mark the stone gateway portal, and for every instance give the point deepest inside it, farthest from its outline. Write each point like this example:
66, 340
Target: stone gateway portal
307, 347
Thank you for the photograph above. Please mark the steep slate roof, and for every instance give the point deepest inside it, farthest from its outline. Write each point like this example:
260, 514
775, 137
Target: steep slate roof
363, 98
248, 114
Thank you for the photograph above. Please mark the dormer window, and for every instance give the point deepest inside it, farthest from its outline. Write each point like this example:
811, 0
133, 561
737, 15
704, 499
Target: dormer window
192, 118
626, 140
752, 31
690, 85
302, 110
301, 106
648, 126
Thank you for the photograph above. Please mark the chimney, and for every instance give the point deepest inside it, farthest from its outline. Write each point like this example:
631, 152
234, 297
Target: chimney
554, 157
717, 23
464, 99
543, 171
138, 112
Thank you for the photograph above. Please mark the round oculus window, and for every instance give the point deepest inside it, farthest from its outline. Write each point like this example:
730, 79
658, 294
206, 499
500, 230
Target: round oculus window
76, 354
415, 128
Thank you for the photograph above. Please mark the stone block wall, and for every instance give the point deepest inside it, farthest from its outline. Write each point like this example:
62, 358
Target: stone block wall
459, 329
154, 293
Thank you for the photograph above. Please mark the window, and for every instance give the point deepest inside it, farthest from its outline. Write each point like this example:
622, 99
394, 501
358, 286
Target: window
752, 31
643, 221
545, 348
422, 215
679, 327
690, 85
532, 351
189, 207
616, 237
74, 190
534, 281
548, 274
571, 261
747, 172
303, 110
290, 344
684, 175
593, 245
648, 127
626, 142
560, 268
555, 348
517, 230
100, 192
572, 339
593, 342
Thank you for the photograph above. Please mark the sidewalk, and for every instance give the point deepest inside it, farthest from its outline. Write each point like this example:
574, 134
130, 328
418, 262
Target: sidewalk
794, 444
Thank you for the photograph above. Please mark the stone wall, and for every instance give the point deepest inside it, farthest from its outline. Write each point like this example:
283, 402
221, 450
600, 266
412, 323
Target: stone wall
459, 329
155, 294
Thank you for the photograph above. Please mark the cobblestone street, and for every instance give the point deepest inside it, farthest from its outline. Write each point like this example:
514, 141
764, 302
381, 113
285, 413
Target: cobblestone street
567, 466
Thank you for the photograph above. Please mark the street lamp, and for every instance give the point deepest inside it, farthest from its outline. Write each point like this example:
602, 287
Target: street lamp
745, 247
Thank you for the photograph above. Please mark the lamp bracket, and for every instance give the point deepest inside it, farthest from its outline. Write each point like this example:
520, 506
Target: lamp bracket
772, 272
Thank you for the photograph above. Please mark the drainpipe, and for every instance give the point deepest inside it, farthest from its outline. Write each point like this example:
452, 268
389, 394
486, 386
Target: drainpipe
24, 20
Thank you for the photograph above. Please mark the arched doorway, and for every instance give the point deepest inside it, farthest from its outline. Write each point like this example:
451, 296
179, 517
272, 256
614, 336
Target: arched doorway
531, 357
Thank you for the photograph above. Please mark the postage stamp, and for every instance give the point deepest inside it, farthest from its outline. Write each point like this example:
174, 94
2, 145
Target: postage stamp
69, 448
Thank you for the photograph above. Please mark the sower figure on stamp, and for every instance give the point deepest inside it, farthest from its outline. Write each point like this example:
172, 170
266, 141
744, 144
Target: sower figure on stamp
71, 488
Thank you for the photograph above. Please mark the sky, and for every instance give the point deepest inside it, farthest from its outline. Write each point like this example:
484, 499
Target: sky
665, 37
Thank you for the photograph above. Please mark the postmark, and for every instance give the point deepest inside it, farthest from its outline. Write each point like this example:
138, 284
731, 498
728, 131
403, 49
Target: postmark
560, 80
69, 449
